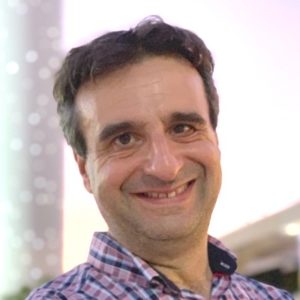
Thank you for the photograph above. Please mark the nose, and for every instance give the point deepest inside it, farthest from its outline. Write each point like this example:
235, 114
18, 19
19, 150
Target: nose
163, 160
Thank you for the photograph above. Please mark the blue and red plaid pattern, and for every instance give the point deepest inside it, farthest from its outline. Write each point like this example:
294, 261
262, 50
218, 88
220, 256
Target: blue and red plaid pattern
113, 272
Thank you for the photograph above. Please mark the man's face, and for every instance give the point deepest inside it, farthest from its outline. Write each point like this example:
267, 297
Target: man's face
153, 162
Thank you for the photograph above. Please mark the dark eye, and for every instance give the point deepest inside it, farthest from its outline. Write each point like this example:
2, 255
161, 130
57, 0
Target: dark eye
127, 140
182, 128
124, 139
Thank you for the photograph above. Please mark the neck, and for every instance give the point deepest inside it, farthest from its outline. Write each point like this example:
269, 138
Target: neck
184, 262
188, 268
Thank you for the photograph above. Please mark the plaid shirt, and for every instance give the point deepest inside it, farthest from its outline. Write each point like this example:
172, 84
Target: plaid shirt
113, 272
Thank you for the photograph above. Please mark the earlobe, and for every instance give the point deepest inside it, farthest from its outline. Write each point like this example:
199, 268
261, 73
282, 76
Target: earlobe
82, 166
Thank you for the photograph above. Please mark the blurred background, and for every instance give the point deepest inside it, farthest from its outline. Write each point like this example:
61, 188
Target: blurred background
46, 217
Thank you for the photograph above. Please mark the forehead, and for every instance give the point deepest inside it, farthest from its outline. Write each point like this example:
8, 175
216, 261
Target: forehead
153, 86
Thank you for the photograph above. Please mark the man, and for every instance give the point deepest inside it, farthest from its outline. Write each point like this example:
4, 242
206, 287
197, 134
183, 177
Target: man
140, 110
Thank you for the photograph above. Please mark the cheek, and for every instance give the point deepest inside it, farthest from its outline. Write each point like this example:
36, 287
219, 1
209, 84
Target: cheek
112, 175
205, 153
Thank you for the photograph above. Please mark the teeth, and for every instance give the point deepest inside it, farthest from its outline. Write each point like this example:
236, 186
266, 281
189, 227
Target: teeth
172, 194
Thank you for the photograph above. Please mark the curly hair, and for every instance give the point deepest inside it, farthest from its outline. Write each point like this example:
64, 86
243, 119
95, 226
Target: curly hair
115, 50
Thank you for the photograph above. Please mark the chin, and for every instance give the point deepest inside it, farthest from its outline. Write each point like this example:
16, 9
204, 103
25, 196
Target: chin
170, 231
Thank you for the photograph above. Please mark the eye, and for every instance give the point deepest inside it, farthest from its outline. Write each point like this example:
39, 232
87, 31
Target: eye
125, 139
182, 128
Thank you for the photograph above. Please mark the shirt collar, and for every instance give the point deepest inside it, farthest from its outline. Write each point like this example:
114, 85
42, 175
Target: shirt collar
107, 255
221, 260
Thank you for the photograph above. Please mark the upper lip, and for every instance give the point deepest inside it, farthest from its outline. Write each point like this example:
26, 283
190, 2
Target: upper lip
163, 189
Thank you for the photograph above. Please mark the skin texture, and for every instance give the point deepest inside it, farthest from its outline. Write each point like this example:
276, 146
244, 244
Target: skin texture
153, 164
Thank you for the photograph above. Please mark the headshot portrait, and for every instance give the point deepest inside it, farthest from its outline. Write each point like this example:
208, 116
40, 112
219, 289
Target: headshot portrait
159, 157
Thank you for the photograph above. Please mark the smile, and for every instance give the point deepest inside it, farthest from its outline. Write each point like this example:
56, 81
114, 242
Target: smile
167, 195
172, 194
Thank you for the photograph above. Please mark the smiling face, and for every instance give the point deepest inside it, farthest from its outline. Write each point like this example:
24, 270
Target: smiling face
153, 162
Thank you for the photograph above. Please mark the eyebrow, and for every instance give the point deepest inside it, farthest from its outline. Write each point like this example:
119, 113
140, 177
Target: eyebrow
114, 129
117, 128
187, 117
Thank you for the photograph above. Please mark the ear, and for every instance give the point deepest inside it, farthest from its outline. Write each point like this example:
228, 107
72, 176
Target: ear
82, 166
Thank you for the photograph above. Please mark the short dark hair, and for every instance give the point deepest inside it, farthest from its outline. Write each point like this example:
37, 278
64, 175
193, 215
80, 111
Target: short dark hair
117, 49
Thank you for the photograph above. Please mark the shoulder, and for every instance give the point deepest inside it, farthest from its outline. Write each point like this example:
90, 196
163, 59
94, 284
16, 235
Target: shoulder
77, 284
48, 293
259, 289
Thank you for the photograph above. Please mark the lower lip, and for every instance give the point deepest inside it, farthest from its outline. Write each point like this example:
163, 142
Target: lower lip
182, 197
